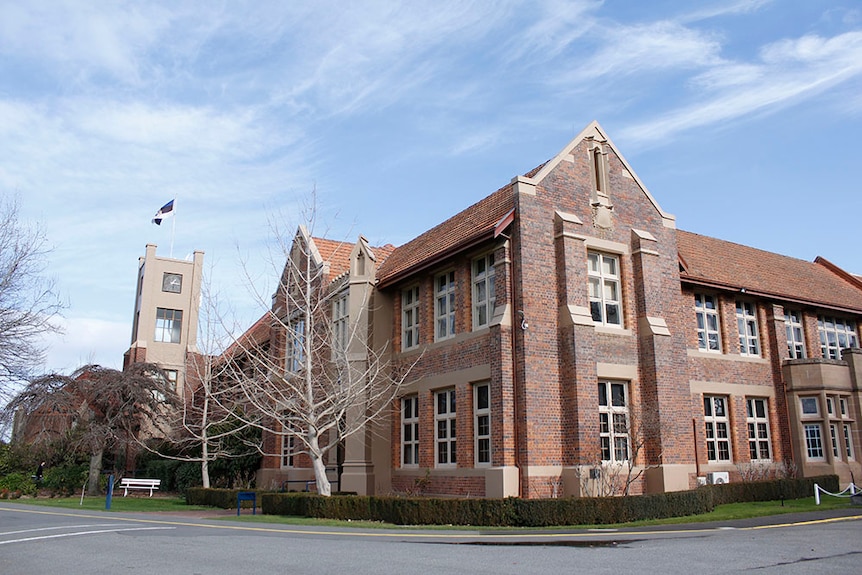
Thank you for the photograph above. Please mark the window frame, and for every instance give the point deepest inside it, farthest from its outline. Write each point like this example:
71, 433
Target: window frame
169, 325
614, 423
747, 327
703, 315
410, 420
713, 423
483, 281
839, 328
410, 309
759, 434
445, 428
795, 332
340, 322
482, 433
288, 451
813, 442
294, 354
597, 278
444, 305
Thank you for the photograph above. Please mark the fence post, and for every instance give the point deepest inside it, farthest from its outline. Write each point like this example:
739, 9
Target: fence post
816, 494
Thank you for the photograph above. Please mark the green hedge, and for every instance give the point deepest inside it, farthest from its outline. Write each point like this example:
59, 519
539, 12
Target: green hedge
223, 498
531, 512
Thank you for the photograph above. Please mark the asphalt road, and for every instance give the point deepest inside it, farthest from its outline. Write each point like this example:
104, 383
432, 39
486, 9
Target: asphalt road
39, 540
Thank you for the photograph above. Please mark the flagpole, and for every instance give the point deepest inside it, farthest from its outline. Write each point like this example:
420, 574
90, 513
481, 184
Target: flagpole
173, 227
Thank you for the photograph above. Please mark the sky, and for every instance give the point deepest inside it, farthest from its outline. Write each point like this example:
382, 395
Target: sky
742, 118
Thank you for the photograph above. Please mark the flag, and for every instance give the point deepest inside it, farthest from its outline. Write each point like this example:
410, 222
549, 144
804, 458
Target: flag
165, 211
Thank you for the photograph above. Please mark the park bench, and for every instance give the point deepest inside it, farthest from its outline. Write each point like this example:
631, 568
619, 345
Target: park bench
127, 483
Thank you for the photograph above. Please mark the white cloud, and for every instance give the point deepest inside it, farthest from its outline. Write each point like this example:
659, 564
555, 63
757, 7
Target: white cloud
788, 71
88, 340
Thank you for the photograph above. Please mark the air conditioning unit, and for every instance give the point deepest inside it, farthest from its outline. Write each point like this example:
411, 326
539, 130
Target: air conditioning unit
718, 477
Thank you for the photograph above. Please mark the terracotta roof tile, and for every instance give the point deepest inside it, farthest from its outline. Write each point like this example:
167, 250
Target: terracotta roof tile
457, 232
336, 253
736, 266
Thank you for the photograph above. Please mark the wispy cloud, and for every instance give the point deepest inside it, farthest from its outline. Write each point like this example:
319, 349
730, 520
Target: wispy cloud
787, 71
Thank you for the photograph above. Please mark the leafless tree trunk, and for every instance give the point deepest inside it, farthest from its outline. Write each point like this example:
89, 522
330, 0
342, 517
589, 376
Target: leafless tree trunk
325, 381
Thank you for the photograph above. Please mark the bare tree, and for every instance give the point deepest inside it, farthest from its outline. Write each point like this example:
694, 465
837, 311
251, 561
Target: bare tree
28, 298
213, 421
324, 380
99, 408
636, 433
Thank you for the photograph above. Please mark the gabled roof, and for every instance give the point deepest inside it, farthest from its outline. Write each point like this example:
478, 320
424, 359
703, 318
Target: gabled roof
726, 265
469, 227
336, 254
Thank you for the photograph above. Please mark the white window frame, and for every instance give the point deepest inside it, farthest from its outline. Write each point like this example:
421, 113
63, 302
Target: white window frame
444, 306
288, 450
410, 431
340, 322
833, 435
482, 424
605, 288
813, 434
708, 323
847, 428
614, 421
169, 325
294, 360
836, 334
445, 430
795, 334
410, 318
719, 448
806, 402
483, 290
759, 436
746, 324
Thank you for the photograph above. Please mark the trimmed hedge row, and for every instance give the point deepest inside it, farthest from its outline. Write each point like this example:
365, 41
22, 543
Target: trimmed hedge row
222, 498
515, 512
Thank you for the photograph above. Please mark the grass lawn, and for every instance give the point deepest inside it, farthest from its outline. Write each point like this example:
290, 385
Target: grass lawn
163, 503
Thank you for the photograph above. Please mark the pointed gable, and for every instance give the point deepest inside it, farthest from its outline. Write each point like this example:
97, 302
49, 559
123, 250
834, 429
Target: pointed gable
726, 265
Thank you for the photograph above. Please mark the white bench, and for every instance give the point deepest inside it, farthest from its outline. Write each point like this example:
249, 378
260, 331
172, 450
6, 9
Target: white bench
127, 483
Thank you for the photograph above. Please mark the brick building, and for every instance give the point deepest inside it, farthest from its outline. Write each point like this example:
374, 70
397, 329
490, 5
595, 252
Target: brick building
566, 339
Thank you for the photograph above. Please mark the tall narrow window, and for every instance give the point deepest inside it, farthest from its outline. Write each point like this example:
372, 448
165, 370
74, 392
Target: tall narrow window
482, 423
410, 318
705, 308
483, 290
614, 422
169, 325
605, 293
835, 334
848, 441
288, 445
717, 428
445, 305
410, 431
340, 324
759, 448
795, 339
746, 322
444, 417
295, 352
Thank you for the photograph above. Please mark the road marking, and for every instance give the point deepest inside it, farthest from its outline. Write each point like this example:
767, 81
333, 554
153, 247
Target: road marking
4, 533
434, 535
79, 533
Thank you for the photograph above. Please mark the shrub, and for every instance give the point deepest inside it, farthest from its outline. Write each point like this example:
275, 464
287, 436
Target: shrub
65, 479
529, 512
18, 483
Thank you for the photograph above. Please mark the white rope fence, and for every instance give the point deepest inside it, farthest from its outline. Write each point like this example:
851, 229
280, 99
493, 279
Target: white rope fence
849, 492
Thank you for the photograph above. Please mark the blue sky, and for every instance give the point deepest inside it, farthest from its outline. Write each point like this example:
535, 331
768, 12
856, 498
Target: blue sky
743, 118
